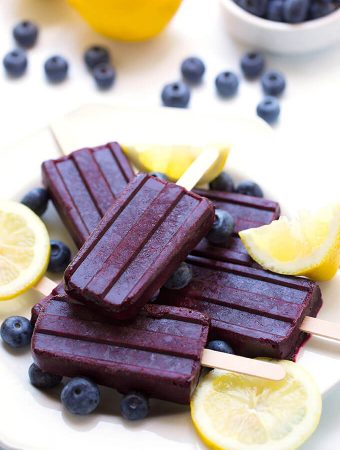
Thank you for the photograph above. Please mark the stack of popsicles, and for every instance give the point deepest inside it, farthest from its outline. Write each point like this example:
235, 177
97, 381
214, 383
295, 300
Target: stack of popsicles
132, 237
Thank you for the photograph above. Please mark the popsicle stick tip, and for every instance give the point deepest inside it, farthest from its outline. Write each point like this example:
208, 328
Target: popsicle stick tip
319, 327
45, 286
198, 168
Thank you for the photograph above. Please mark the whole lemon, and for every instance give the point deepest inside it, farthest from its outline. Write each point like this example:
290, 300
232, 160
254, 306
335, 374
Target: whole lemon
128, 20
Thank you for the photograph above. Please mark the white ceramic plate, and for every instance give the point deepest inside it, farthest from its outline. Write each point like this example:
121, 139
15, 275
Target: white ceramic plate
34, 420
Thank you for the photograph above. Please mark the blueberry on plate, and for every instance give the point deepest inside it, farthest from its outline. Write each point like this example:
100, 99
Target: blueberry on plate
36, 200
180, 278
295, 11
275, 10
255, 7
269, 109
318, 9
159, 175
249, 188
80, 396
56, 69
60, 257
222, 228
223, 182
41, 379
134, 406
226, 84
220, 346
192, 69
252, 65
16, 331
176, 95
273, 83
25, 33
96, 55
15, 63
104, 76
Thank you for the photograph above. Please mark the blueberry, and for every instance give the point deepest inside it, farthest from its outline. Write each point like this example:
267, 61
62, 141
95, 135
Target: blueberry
96, 55
80, 396
60, 257
252, 65
104, 75
134, 406
56, 68
255, 7
269, 109
275, 10
249, 188
15, 63
43, 380
25, 33
159, 175
295, 11
226, 84
223, 182
320, 9
222, 228
273, 83
220, 346
180, 278
193, 69
36, 200
16, 331
176, 95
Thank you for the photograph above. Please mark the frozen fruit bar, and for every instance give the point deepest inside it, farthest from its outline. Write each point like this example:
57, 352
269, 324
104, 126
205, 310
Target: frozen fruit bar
248, 212
85, 184
141, 240
158, 353
259, 313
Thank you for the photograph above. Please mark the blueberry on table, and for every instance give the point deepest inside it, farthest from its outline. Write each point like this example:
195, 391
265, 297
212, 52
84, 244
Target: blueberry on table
273, 83
60, 257
269, 109
96, 55
25, 33
134, 406
295, 11
252, 65
41, 379
176, 95
56, 69
16, 331
36, 200
15, 63
227, 84
275, 10
249, 188
222, 228
220, 346
159, 175
223, 182
104, 75
318, 9
255, 7
193, 69
80, 396
180, 278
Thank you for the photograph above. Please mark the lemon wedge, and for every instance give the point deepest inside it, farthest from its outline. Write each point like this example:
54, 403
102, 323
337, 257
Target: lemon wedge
24, 249
307, 245
173, 160
238, 412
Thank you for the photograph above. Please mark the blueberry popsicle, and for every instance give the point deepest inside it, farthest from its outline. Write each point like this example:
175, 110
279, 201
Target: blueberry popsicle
259, 313
85, 184
247, 212
141, 240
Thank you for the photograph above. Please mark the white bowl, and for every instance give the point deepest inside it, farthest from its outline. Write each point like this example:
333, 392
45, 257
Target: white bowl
277, 37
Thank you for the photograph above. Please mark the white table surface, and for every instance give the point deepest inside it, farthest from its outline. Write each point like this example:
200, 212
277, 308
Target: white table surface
309, 125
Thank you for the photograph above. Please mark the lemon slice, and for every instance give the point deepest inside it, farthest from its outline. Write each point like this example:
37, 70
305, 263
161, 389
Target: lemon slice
173, 160
24, 249
238, 412
308, 245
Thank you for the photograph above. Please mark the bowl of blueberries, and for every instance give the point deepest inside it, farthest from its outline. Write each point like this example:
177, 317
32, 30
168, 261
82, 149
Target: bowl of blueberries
284, 26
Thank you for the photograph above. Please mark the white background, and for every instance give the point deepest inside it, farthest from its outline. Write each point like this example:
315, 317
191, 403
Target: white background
308, 129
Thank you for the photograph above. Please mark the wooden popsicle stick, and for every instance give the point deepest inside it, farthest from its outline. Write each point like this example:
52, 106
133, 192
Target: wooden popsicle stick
198, 168
240, 364
45, 286
320, 327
